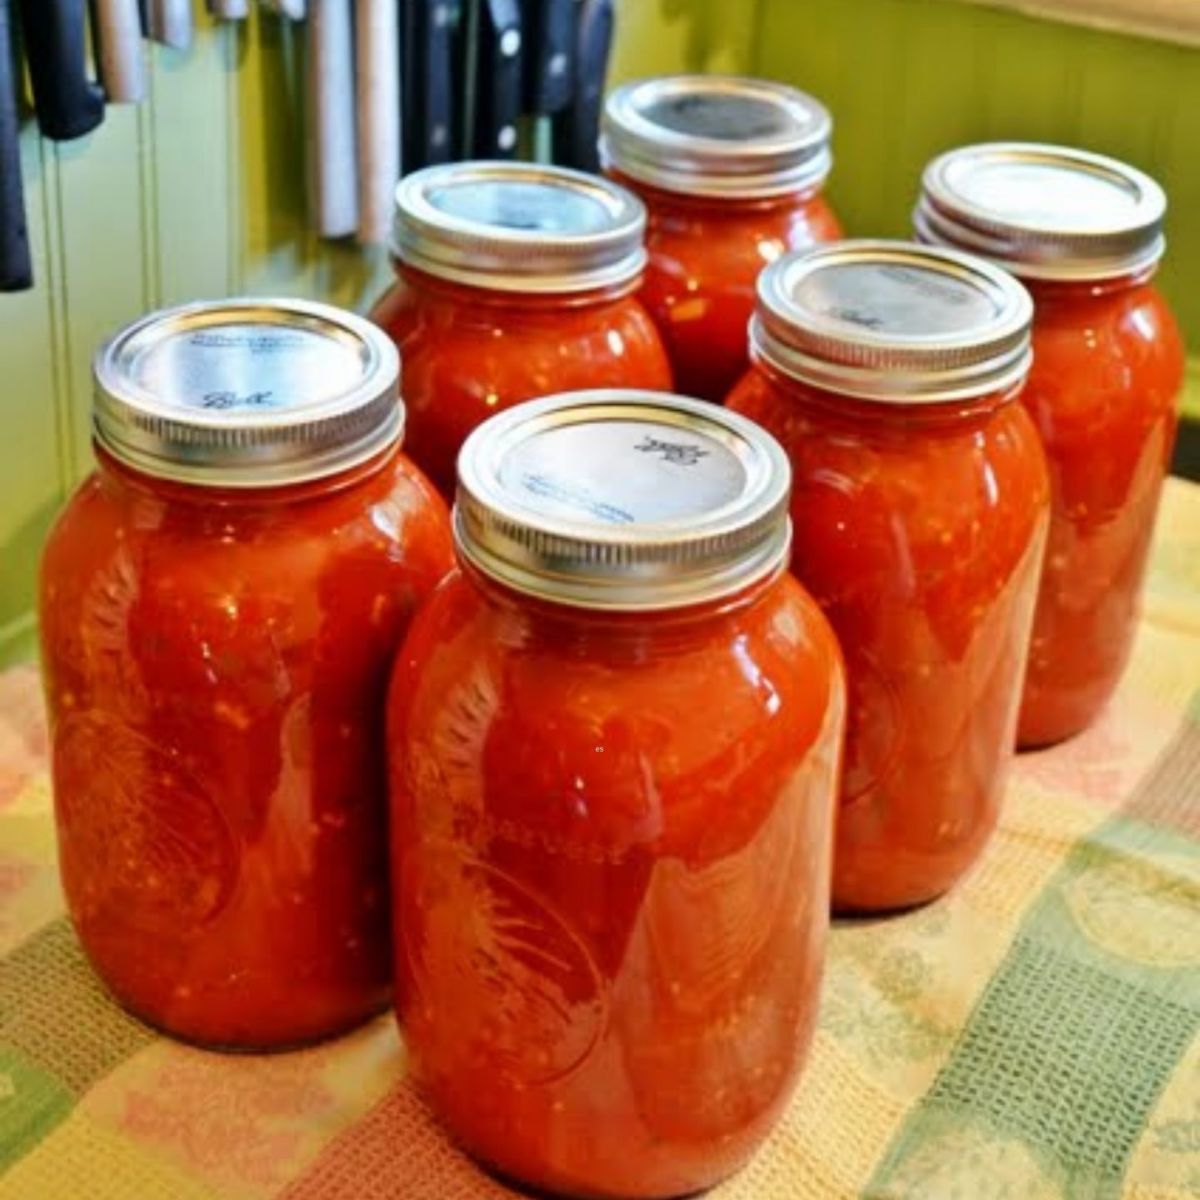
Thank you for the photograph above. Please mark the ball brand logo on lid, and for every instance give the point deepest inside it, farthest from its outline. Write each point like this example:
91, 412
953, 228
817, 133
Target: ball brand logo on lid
1043, 212
519, 227
892, 321
717, 135
623, 499
247, 393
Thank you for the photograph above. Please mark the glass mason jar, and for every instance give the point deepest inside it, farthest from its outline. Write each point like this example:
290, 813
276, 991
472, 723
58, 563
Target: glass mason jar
615, 734
889, 372
220, 603
513, 281
1084, 234
731, 172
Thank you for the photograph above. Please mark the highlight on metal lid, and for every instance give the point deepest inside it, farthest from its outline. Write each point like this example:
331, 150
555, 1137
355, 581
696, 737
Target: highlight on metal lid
623, 500
519, 227
247, 393
717, 135
1043, 212
882, 320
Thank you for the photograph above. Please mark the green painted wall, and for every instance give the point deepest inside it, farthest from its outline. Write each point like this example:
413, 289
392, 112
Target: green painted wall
201, 191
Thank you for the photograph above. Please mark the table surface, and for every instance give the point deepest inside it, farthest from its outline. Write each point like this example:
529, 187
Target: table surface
1034, 1035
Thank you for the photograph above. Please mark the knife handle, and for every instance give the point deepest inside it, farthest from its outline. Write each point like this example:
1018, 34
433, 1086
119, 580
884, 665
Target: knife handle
229, 10
427, 39
170, 22
377, 54
119, 39
499, 83
334, 175
549, 35
577, 127
294, 10
16, 270
68, 103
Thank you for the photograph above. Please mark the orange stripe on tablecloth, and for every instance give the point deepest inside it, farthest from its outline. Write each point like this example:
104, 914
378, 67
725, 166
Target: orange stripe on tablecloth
396, 1152
23, 743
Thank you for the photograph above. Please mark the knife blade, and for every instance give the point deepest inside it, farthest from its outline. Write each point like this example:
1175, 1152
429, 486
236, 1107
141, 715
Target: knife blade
428, 103
499, 81
577, 127
118, 29
16, 269
68, 104
377, 54
333, 174
169, 22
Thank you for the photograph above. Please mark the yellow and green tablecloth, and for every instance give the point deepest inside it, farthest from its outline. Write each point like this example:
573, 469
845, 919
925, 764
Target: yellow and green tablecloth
1033, 1036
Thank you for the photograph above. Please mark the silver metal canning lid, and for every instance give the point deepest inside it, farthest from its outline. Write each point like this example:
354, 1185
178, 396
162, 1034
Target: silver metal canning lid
624, 500
893, 321
1043, 212
519, 227
717, 135
247, 393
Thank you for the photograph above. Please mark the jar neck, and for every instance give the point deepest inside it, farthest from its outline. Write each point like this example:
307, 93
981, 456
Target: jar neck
660, 198
1053, 291
896, 413
626, 636
531, 302
115, 473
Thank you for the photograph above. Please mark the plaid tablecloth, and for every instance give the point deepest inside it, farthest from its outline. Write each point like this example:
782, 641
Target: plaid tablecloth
1035, 1035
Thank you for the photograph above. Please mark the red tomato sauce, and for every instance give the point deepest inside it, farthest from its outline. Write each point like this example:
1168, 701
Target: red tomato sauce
705, 258
470, 353
612, 828
1107, 372
216, 665
920, 533
611, 840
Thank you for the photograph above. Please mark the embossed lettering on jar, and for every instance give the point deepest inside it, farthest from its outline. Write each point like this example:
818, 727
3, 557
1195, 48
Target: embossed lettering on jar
731, 172
513, 281
220, 603
616, 733
890, 372
1084, 233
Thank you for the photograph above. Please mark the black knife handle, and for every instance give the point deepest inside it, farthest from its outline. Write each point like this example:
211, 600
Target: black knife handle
549, 32
428, 108
16, 270
500, 81
577, 127
68, 103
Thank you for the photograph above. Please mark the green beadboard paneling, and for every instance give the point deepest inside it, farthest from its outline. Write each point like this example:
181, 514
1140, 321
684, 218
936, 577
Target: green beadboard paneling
201, 192
908, 78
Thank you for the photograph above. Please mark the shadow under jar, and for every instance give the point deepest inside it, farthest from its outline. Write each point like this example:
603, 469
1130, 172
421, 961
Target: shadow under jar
513, 281
890, 372
220, 603
1084, 234
731, 172
615, 736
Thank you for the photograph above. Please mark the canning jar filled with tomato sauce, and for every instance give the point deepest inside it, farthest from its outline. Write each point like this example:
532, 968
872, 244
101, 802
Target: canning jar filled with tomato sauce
920, 502
514, 281
220, 603
615, 736
731, 172
1084, 234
